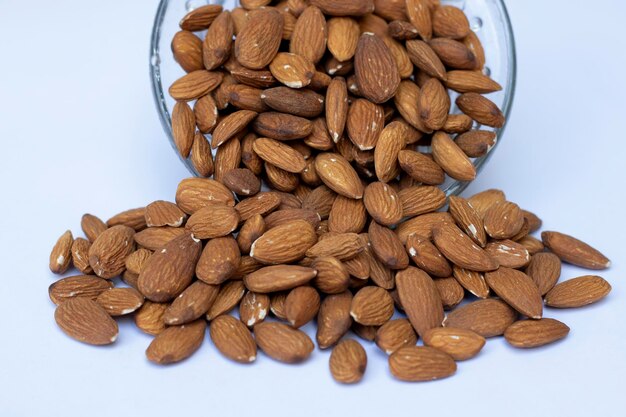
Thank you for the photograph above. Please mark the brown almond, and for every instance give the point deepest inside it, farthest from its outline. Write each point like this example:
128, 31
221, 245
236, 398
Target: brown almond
532, 245
84, 286
332, 275
451, 158
319, 200
245, 97
282, 126
133, 218
337, 173
535, 333
336, 107
422, 225
424, 58
344, 8
382, 203
301, 305
472, 281
450, 292
154, 238
303, 102
262, 204
395, 334
544, 269
278, 278
258, 42
402, 30
253, 308
461, 250
347, 215
213, 221
285, 243
508, 253
196, 193
578, 292
343, 37
230, 126
375, 68
406, 101
309, 35
450, 22
460, 123
176, 343
453, 54
200, 18
242, 181
217, 44
517, 289
219, 260
420, 299
421, 363
183, 128
294, 71
280, 155
108, 252
503, 220
488, 317
461, 344
333, 319
191, 304
250, 231
80, 255
187, 50
195, 84
149, 318
433, 104
421, 199
233, 339
170, 270
120, 301
481, 109
485, 199
348, 361
427, 257
92, 226
86, 321
61, 254
471, 82
371, 306
229, 295
390, 143
282, 342
419, 15
387, 247
468, 219
364, 124
420, 167
574, 251
164, 213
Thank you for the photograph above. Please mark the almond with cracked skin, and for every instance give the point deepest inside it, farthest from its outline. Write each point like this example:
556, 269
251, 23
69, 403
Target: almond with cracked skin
333, 319
107, 254
395, 334
364, 124
461, 250
84, 286
488, 317
544, 269
421, 363
535, 333
258, 42
214, 221
461, 344
253, 308
420, 299
170, 270
282, 342
382, 203
191, 304
574, 251
517, 289
301, 305
375, 68
278, 278
120, 301
280, 155
283, 244
176, 343
86, 321
337, 173
578, 292
371, 306
61, 254
348, 361
233, 339
164, 213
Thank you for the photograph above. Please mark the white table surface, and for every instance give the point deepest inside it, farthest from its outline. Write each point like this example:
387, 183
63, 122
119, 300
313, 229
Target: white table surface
80, 133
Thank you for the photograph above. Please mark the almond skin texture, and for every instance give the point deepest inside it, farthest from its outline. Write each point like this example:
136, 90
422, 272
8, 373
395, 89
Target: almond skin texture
120, 301
80, 255
481, 109
433, 104
187, 50
337, 173
421, 363
344, 7
254, 308
233, 339
420, 199
451, 158
387, 246
154, 238
468, 219
92, 226
508, 253
450, 291
461, 250
382, 203
365, 122
420, 299
336, 108
278, 278
229, 295
219, 260
347, 215
309, 35
535, 333
450, 22
472, 281
280, 155
149, 318
292, 70
61, 255
191, 304
544, 269
517, 289
217, 43
200, 18
108, 252
375, 68
348, 361
574, 251
301, 305
286, 243
342, 246
164, 213
390, 143
195, 85
196, 193
419, 15
170, 270
333, 319
257, 44
461, 344
371, 306
133, 218
283, 343
211, 222
488, 318
424, 58
343, 37
420, 167
394, 334
578, 292
176, 343
503, 220
86, 321
427, 257
332, 275
183, 128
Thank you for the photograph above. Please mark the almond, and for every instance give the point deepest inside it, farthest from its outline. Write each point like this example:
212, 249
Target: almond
336, 108
344, 7
217, 44
250, 231
319, 200
92, 226
461, 344
532, 245
108, 252
481, 109
420, 167
133, 218
164, 213
191, 304
292, 70
371, 306
213, 221
421, 199
280, 155
468, 219
488, 318
517, 289
229, 295
303, 102
433, 104
200, 18
258, 42
348, 361
120, 301
460, 123
364, 124
471, 82
450, 22
544, 269
395, 334
424, 58
233, 339
149, 318
230, 126
282, 126
382, 203
242, 181
508, 253
419, 15
333, 319
86, 321
187, 50
227, 157
402, 30
261, 204
283, 343
219, 260
183, 128
343, 37
253, 308
390, 143
332, 275
278, 278
347, 215
535, 333
285, 243
450, 292
170, 270
387, 247
154, 238
472, 281
80, 255
194, 85
427, 257
176, 343
61, 254
337, 173
451, 158
453, 54
461, 250
503, 220
84, 286
420, 363
574, 251
485, 199
301, 305
420, 299
196, 193
375, 68
309, 35
578, 292
245, 97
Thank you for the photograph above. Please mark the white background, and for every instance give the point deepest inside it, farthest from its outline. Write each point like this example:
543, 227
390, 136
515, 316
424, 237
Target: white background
80, 133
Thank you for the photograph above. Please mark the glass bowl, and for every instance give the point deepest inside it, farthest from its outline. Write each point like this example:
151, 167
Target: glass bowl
488, 19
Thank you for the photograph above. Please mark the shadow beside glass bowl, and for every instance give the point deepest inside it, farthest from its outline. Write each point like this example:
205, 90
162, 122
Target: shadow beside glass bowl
488, 19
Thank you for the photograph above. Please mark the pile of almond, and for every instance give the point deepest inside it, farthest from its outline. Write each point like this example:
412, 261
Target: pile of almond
390, 90
286, 260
